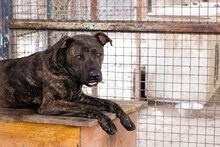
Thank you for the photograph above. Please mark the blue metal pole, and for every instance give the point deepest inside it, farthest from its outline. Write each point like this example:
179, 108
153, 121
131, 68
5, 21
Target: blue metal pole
49, 17
4, 37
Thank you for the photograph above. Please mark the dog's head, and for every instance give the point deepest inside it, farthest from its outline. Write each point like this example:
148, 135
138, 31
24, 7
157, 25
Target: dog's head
83, 56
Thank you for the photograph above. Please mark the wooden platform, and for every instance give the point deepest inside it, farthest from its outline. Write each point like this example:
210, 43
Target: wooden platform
24, 127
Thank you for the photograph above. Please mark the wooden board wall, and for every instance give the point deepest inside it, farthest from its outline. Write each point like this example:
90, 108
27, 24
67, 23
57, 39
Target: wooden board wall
21, 134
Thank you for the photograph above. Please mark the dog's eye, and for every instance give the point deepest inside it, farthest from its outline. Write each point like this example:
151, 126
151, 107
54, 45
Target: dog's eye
78, 57
99, 55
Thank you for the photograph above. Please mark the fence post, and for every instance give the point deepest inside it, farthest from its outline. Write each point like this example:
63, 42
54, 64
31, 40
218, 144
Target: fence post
4, 37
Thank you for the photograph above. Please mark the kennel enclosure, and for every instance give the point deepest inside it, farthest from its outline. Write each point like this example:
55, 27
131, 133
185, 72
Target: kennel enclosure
164, 53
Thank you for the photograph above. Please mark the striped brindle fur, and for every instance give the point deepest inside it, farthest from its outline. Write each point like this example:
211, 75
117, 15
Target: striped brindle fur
51, 81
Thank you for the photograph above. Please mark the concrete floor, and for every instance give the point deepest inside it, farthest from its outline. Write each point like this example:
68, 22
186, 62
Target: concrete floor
167, 126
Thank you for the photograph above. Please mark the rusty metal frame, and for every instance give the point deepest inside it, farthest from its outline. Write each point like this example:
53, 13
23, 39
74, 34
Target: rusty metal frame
119, 26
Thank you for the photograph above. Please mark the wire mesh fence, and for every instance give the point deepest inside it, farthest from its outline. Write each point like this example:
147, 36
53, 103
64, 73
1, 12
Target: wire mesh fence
172, 64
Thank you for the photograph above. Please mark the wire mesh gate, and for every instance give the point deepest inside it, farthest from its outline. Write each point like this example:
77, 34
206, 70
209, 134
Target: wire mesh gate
165, 52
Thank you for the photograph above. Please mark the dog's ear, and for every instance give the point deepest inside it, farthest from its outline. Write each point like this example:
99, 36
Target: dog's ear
103, 38
60, 47
63, 43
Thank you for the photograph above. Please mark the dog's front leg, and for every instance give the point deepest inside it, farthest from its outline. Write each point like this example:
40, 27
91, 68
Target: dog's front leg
109, 106
50, 106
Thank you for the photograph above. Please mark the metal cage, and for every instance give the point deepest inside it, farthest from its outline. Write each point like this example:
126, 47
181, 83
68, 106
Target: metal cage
165, 52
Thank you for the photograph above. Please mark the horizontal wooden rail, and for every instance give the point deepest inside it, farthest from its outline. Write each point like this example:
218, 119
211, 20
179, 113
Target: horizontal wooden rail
117, 26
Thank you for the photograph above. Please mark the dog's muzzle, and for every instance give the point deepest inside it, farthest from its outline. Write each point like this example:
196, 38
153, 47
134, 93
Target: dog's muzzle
94, 77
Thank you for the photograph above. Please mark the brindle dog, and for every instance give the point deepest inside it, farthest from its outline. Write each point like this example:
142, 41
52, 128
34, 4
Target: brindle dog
51, 81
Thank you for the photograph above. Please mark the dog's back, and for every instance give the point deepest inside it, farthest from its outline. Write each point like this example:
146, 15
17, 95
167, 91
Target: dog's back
16, 78
4, 64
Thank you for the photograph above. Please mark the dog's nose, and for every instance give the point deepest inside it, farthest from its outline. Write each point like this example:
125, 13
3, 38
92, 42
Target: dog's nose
94, 75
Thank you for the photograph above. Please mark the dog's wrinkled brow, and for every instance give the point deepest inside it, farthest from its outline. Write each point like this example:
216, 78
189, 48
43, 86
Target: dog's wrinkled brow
94, 50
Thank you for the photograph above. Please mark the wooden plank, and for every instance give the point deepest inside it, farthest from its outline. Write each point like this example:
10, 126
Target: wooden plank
28, 115
117, 26
94, 17
94, 9
20, 134
138, 41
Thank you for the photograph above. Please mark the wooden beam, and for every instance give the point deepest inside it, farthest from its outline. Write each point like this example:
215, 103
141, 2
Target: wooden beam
136, 87
31, 116
117, 26
94, 17
94, 10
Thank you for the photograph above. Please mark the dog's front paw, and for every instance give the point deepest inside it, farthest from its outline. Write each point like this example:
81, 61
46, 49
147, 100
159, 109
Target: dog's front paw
126, 122
108, 126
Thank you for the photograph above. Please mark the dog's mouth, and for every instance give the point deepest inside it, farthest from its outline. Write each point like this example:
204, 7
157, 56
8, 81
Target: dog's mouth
94, 79
92, 83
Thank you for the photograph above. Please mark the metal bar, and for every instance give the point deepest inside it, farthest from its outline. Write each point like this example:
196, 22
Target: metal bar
12, 33
49, 9
1, 29
4, 32
49, 17
118, 26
